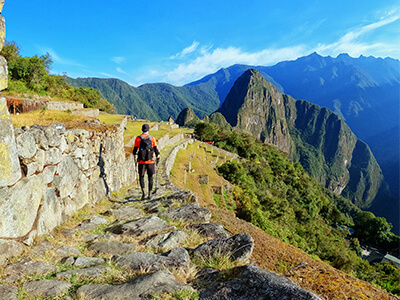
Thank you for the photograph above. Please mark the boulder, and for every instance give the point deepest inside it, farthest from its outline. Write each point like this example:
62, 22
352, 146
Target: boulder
88, 261
182, 196
46, 288
30, 266
91, 224
125, 213
168, 240
140, 288
209, 230
65, 250
255, 283
91, 272
112, 247
238, 247
188, 212
9, 248
90, 237
177, 258
142, 226
8, 292
10, 170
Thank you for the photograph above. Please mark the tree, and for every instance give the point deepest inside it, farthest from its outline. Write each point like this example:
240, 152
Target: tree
371, 229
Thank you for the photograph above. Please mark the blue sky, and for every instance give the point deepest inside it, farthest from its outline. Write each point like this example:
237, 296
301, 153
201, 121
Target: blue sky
179, 41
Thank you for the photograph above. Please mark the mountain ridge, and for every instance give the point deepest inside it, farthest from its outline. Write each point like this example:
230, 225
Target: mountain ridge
314, 136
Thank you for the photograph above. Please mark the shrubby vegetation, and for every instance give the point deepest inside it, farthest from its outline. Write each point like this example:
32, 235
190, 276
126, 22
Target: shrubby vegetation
282, 199
30, 75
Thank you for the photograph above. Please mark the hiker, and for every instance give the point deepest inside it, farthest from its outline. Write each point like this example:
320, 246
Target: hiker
146, 148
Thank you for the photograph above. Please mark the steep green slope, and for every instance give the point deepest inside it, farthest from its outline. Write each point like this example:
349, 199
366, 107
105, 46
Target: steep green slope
313, 136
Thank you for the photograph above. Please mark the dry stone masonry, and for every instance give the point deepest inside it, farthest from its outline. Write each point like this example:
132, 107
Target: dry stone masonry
61, 173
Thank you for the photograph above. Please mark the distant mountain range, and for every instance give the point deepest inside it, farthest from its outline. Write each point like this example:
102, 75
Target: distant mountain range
314, 136
153, 101
363, 91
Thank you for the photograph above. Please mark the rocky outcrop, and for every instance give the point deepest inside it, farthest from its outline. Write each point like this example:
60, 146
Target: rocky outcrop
187, 117
141, 288
255, 283
314, 136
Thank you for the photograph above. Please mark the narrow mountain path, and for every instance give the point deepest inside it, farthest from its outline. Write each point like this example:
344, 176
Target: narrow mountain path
164, 248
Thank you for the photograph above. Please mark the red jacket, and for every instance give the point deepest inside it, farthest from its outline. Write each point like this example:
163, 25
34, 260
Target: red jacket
153, 144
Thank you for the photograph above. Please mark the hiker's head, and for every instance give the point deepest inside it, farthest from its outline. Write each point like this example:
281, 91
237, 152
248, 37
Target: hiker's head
145, 127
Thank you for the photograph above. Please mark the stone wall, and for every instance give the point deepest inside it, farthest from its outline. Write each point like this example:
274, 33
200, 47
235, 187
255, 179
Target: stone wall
92, 113
61, 105
58, 172
166, 140
27, 105
169, 163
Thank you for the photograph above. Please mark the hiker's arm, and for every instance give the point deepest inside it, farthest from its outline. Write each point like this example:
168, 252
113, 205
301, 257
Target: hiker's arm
156, 152
135, 150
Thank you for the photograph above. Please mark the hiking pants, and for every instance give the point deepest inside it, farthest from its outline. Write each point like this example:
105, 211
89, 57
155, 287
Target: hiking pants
151, 170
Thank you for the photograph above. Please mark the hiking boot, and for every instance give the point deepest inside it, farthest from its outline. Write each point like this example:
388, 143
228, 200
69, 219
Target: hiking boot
143, 195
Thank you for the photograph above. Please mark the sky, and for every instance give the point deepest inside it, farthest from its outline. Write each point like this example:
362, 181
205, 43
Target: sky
180, 41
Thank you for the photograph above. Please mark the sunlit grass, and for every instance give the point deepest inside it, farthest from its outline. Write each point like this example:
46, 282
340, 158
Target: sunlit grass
46, 118
110, 119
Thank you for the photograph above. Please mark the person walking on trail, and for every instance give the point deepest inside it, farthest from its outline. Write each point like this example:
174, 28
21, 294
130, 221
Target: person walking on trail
147, 153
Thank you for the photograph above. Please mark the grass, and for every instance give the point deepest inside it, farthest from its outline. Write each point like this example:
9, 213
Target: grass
47, 118
184, 294
200, 163
216, 260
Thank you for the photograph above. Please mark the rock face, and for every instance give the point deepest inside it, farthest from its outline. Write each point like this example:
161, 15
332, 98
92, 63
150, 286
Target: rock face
313, 136
238, 247
255, 283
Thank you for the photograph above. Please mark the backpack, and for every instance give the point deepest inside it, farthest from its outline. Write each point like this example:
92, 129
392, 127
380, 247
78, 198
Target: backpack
146, 149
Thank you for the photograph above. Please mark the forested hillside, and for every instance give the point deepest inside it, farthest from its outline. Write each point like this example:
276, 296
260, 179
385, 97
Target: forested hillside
155, 101
30, 76
281, 198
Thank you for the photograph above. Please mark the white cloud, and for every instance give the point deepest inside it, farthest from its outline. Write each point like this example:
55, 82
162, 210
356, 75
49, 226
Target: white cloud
186, 51
106, 74
118, 59
119, 70
353, 44
210, 61
58, 59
